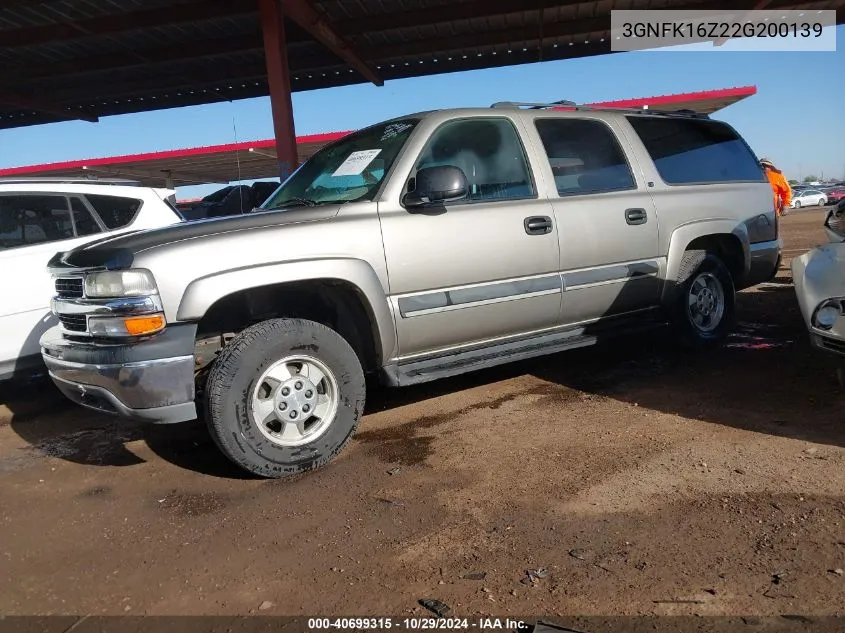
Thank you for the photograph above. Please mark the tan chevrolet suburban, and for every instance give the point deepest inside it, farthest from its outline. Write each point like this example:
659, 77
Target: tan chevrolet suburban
416, 249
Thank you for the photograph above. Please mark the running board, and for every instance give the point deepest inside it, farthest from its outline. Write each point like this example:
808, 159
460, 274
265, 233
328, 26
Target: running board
446, 365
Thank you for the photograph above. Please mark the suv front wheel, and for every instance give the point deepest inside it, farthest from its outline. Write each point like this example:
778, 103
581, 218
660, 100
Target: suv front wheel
285, 397
704, 309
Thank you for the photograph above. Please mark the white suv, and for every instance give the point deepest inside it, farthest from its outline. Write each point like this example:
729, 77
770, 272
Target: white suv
39, 217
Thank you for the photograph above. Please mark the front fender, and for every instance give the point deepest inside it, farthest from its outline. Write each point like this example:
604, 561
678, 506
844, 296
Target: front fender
818, 275
683, 235
204, 292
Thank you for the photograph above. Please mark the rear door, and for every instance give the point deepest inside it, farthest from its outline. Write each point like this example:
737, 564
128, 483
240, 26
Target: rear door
607, 224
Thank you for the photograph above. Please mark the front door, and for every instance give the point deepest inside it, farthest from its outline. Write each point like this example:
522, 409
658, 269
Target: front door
482, 268
607, 224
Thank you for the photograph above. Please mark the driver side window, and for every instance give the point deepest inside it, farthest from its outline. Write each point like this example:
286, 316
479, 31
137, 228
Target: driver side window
488, 151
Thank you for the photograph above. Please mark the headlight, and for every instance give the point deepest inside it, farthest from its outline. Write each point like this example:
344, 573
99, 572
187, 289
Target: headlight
826, 314
120, 283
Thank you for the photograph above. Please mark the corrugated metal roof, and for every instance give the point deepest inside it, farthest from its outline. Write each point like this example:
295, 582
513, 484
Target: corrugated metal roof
60, 58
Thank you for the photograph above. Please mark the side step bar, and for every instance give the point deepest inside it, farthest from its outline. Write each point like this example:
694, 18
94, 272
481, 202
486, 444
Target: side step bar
452, 364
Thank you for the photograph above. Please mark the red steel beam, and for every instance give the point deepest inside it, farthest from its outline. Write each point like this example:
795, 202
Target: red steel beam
278, 78
307, 17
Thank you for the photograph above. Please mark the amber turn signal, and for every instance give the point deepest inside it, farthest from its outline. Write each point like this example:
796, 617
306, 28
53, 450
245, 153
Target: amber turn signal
138, 326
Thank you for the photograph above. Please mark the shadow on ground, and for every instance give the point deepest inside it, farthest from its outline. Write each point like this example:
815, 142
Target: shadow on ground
766, 379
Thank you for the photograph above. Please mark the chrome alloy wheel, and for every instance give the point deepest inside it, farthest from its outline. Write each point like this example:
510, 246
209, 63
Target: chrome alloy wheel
706, 302
294, 401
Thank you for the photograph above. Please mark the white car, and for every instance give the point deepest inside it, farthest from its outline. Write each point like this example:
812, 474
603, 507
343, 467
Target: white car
808, 198
40, 217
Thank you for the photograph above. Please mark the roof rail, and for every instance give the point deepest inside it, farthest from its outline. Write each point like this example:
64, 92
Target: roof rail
532, 106
589, 108
67, 180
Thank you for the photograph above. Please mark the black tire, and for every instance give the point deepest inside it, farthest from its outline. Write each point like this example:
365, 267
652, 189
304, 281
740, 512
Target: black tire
797, 204
695, 264
232, 382
821, 202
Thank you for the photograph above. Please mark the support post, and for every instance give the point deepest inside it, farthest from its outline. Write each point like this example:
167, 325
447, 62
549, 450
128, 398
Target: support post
278, 78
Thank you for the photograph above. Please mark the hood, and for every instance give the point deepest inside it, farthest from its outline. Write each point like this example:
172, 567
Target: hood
117, 252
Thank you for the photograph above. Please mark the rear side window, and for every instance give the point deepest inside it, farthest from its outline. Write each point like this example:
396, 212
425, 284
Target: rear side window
692, 151
585, 156
116, 212
39, 219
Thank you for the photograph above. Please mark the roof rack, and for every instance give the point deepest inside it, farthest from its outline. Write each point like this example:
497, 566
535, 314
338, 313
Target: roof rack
67, 180
588, 108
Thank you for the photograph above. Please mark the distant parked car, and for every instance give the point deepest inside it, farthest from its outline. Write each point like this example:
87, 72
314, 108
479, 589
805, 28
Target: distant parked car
834, 223
808, 198
39, 217
230, 200
835, 194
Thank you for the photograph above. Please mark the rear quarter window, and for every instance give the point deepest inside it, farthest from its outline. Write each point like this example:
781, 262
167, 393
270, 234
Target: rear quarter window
696, 151
116, 212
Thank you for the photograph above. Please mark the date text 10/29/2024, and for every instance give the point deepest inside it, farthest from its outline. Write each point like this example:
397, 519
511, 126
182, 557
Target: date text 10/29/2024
417, 624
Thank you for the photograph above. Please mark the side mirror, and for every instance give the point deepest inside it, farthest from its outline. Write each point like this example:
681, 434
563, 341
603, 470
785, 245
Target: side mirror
442, 183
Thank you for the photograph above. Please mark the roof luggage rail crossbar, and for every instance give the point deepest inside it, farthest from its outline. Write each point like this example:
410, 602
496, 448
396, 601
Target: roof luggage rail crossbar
67, 180
589, 108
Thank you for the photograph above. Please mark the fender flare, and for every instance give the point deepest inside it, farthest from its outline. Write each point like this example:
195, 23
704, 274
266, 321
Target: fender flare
204, 292
685, 234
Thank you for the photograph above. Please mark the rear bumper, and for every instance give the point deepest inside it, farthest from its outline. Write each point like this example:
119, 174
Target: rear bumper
122, 380
765, 261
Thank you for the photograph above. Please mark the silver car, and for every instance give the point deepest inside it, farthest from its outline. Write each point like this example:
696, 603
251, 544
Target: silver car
819, 278
416, 249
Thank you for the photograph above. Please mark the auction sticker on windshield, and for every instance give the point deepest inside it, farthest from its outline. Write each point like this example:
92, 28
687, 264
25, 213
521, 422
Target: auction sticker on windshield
356, 162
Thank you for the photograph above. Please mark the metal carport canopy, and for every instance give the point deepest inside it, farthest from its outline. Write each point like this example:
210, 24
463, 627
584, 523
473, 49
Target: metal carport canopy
257, 159
84, 59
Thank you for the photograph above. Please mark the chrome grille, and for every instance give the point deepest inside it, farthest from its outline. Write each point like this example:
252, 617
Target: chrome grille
74, 322
69, 287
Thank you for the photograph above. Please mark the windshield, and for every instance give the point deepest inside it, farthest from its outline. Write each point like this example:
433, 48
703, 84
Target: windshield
349, 170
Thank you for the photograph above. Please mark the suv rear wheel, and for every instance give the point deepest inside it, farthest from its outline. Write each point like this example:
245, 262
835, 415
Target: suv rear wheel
284, 397
704, 309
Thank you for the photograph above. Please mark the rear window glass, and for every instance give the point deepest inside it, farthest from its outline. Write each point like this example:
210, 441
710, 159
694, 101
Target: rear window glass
692, 151
116, 212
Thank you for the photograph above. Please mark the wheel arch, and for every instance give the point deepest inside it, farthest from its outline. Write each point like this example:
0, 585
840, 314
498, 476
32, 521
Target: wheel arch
725, 238
351, 286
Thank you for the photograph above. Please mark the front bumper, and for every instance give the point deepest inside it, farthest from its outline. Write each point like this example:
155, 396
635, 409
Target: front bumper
818, 276
151, 381
828, 343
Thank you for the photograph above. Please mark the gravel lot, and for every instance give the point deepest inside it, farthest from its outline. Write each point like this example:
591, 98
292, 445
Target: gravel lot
644, 480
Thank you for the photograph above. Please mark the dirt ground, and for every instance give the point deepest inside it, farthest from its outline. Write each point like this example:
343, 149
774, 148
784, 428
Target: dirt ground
644, 481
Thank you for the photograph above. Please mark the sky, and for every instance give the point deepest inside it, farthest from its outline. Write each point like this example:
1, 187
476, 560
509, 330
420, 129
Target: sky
795, 119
